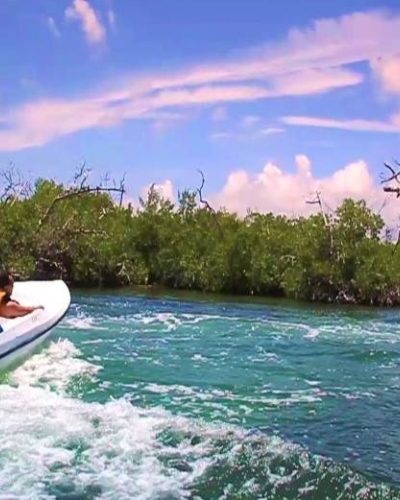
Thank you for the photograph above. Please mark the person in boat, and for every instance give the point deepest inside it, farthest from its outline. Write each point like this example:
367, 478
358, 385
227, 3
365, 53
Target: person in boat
10, 308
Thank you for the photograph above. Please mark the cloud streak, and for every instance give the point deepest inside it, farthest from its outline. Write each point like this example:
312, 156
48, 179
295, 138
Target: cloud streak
308, 62
388, 72
51, 24
392, 126
83, 12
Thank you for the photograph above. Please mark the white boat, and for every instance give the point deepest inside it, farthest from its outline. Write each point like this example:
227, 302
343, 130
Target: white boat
20, 336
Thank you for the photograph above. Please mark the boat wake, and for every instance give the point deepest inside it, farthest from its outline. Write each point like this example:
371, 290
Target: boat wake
56, 445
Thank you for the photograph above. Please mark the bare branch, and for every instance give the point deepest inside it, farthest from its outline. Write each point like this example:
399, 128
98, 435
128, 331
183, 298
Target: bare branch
81, 176
200, 191
122, 189
394, 175
14, 186
105, 180
206, 204
73, 193
395, 190
318, 201
396, 244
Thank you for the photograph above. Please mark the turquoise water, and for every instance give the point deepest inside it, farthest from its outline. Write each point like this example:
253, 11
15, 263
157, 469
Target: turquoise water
156, 398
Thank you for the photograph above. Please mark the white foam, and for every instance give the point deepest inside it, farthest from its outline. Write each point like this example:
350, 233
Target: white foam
165, 389
81, 322
199, 357
48, 440
277, 398
172, 321
169, 320
54, 367
39, 433
312, 333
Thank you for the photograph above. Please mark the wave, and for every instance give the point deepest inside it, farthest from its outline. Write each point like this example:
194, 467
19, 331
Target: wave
53, 445
54, 368
81, 322
66, 447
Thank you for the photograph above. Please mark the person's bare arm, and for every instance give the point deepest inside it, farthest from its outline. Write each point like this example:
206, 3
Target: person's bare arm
14, 310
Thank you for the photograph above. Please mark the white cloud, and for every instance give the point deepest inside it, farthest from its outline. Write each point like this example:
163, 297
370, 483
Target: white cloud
82, 11
111, 18
388, 72
219, 114
271, 131
307, 62
217, 136
274, 190
165, 189
327, 44
315, 81
395, 119
250, 120
51, 24
247, 134
162, 121
391, 126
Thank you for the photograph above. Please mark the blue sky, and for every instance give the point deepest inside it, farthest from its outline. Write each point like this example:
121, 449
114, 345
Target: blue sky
160, 89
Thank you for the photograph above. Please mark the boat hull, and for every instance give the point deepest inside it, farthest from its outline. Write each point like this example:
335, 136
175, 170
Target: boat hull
20, 336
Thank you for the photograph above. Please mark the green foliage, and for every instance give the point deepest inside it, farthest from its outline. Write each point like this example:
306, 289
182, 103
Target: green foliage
90, 241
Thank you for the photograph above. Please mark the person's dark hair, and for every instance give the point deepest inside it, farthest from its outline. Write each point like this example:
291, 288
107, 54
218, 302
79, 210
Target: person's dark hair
5, 278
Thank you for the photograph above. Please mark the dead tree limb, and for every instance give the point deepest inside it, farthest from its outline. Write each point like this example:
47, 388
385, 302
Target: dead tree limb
81, 176
394, 176
14, 186
327, 222
73, 193
200, 192
390, 189
207, 204
122, 189
318, 201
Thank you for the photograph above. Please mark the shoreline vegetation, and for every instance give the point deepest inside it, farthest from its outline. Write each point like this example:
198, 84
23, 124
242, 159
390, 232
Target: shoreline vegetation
85, 237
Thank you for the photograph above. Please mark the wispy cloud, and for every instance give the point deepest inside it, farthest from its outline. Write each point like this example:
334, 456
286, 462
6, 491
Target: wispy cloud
250, 121
219, 114
355, 125
243, 135
271, 131
307, 62
51, 24
388, 71
111, 18
82, 12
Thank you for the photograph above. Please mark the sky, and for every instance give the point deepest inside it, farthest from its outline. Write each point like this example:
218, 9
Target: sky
271, 100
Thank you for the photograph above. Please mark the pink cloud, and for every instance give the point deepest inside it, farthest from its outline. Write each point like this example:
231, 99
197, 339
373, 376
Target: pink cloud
388, 72
315, 81
391, 126
326, 44
307, 62
219, 114
274, 190
81, 11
